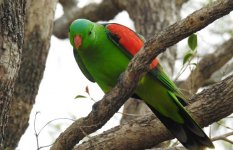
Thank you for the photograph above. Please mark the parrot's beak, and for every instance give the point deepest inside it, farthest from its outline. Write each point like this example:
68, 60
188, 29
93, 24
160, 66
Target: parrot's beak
77, 41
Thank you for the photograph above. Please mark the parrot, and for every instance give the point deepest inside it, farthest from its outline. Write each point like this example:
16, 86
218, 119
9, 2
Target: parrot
103, 51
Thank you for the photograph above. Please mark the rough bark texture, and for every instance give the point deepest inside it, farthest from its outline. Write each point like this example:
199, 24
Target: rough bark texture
11, 42
206, 67
38, 30
103, 110
209, 106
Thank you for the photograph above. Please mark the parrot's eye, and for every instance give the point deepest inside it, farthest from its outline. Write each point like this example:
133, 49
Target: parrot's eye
89, 33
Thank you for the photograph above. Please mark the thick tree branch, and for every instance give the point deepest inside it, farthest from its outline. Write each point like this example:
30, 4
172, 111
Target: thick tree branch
210, 105
103, 110
207, 66
95, 12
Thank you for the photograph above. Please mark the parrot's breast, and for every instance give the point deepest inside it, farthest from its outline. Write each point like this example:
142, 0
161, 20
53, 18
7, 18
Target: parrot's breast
105, 62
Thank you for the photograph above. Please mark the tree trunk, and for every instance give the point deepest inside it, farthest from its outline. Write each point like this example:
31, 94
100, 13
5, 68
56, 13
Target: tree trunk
38, 30
11, 43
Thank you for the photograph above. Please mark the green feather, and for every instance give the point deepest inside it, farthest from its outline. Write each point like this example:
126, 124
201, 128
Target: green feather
164, 79
82, 66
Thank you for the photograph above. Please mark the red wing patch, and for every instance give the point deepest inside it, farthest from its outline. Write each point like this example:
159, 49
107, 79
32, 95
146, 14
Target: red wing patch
128, 39
154, 63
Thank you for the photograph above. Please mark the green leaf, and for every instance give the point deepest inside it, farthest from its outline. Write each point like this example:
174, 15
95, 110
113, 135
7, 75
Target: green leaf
80, 96
192, 42
187, 56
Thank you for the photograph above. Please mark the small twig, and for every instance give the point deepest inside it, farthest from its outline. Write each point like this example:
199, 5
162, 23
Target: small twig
46, 146
223, 137
36, 134
227, 140
220, 124
53, 121
86, 135
183, 68
229, 117
210, 133
89, 94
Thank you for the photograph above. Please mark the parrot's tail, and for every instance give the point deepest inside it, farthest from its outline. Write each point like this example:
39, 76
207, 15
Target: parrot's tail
188, 133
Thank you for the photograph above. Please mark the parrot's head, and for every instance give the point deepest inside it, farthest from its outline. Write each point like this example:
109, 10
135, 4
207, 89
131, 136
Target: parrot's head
81, 33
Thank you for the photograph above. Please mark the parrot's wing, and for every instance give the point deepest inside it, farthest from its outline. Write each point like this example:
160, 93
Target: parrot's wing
130, 43
188, 132
125, 38
82, 67
164, 79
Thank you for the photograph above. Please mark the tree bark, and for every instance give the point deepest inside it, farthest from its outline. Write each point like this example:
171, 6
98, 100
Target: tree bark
103, 110
209, 106
38, 30
11, 43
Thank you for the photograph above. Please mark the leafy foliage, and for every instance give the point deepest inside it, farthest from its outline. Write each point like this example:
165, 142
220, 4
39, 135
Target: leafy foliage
188, 56
192, 43
80, 96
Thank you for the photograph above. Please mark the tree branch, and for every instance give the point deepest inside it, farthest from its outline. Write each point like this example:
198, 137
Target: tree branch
68, 3
171, 148
103, 110
223, 137
106, 10
207, 66
210, 106
217, 76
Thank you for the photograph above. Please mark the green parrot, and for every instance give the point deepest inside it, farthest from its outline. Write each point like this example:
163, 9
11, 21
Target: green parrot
103, 51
